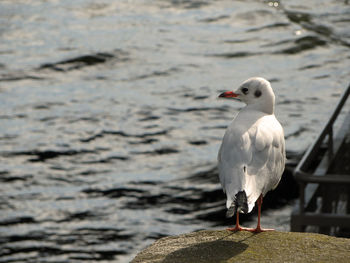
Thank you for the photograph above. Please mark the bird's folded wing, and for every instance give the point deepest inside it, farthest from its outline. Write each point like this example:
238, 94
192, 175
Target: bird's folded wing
234, 153
252, 159
268, 153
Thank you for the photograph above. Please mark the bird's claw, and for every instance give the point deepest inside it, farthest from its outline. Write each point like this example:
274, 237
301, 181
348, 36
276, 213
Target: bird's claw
240, 228
259, 230
253, 230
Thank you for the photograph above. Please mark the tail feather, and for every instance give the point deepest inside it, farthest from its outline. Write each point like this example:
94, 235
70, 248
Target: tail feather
239, 205
231, 211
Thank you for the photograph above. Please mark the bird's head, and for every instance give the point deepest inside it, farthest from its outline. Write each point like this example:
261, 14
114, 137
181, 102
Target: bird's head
256, 93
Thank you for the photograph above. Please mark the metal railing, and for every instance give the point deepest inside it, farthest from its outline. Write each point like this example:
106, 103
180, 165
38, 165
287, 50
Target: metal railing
306, 174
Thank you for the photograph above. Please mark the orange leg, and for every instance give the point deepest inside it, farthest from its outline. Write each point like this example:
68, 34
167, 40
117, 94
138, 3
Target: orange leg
258, 228
238, 227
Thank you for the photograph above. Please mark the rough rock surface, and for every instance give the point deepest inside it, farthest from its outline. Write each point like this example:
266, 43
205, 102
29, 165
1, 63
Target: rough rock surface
226, 246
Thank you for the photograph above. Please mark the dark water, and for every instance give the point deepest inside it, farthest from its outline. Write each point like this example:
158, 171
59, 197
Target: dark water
109, 122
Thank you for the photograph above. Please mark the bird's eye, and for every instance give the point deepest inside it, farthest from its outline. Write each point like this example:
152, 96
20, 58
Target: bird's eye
245, 91
257, 93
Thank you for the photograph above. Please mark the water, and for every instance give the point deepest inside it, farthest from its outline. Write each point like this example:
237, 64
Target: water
110, 124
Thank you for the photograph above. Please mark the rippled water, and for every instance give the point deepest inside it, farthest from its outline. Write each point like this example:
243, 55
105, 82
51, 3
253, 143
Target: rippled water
110, 124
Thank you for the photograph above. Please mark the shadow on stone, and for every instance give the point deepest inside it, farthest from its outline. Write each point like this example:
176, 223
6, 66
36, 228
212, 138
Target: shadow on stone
213, 251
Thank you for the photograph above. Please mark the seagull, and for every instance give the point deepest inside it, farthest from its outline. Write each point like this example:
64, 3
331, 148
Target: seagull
252, 155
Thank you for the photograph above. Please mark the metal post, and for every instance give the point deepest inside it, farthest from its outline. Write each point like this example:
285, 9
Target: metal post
330, 144
302, 197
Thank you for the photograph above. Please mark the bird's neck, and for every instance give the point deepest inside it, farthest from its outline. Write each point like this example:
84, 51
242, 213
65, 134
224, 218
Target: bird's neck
266, 106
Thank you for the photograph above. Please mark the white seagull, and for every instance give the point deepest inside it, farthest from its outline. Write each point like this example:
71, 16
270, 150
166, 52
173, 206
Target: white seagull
252, 155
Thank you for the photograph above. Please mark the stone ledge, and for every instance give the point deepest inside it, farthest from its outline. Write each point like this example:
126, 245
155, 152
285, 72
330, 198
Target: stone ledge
225, 246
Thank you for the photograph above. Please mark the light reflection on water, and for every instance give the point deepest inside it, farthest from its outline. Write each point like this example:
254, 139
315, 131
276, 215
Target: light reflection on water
110, 123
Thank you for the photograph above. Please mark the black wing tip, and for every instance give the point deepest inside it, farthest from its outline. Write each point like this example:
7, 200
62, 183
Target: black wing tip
241, 202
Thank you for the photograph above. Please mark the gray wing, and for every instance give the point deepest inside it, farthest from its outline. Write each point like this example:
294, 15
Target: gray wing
268, 154
252, 160
234, 154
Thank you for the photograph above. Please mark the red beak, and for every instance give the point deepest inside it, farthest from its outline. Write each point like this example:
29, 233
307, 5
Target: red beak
228, 94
